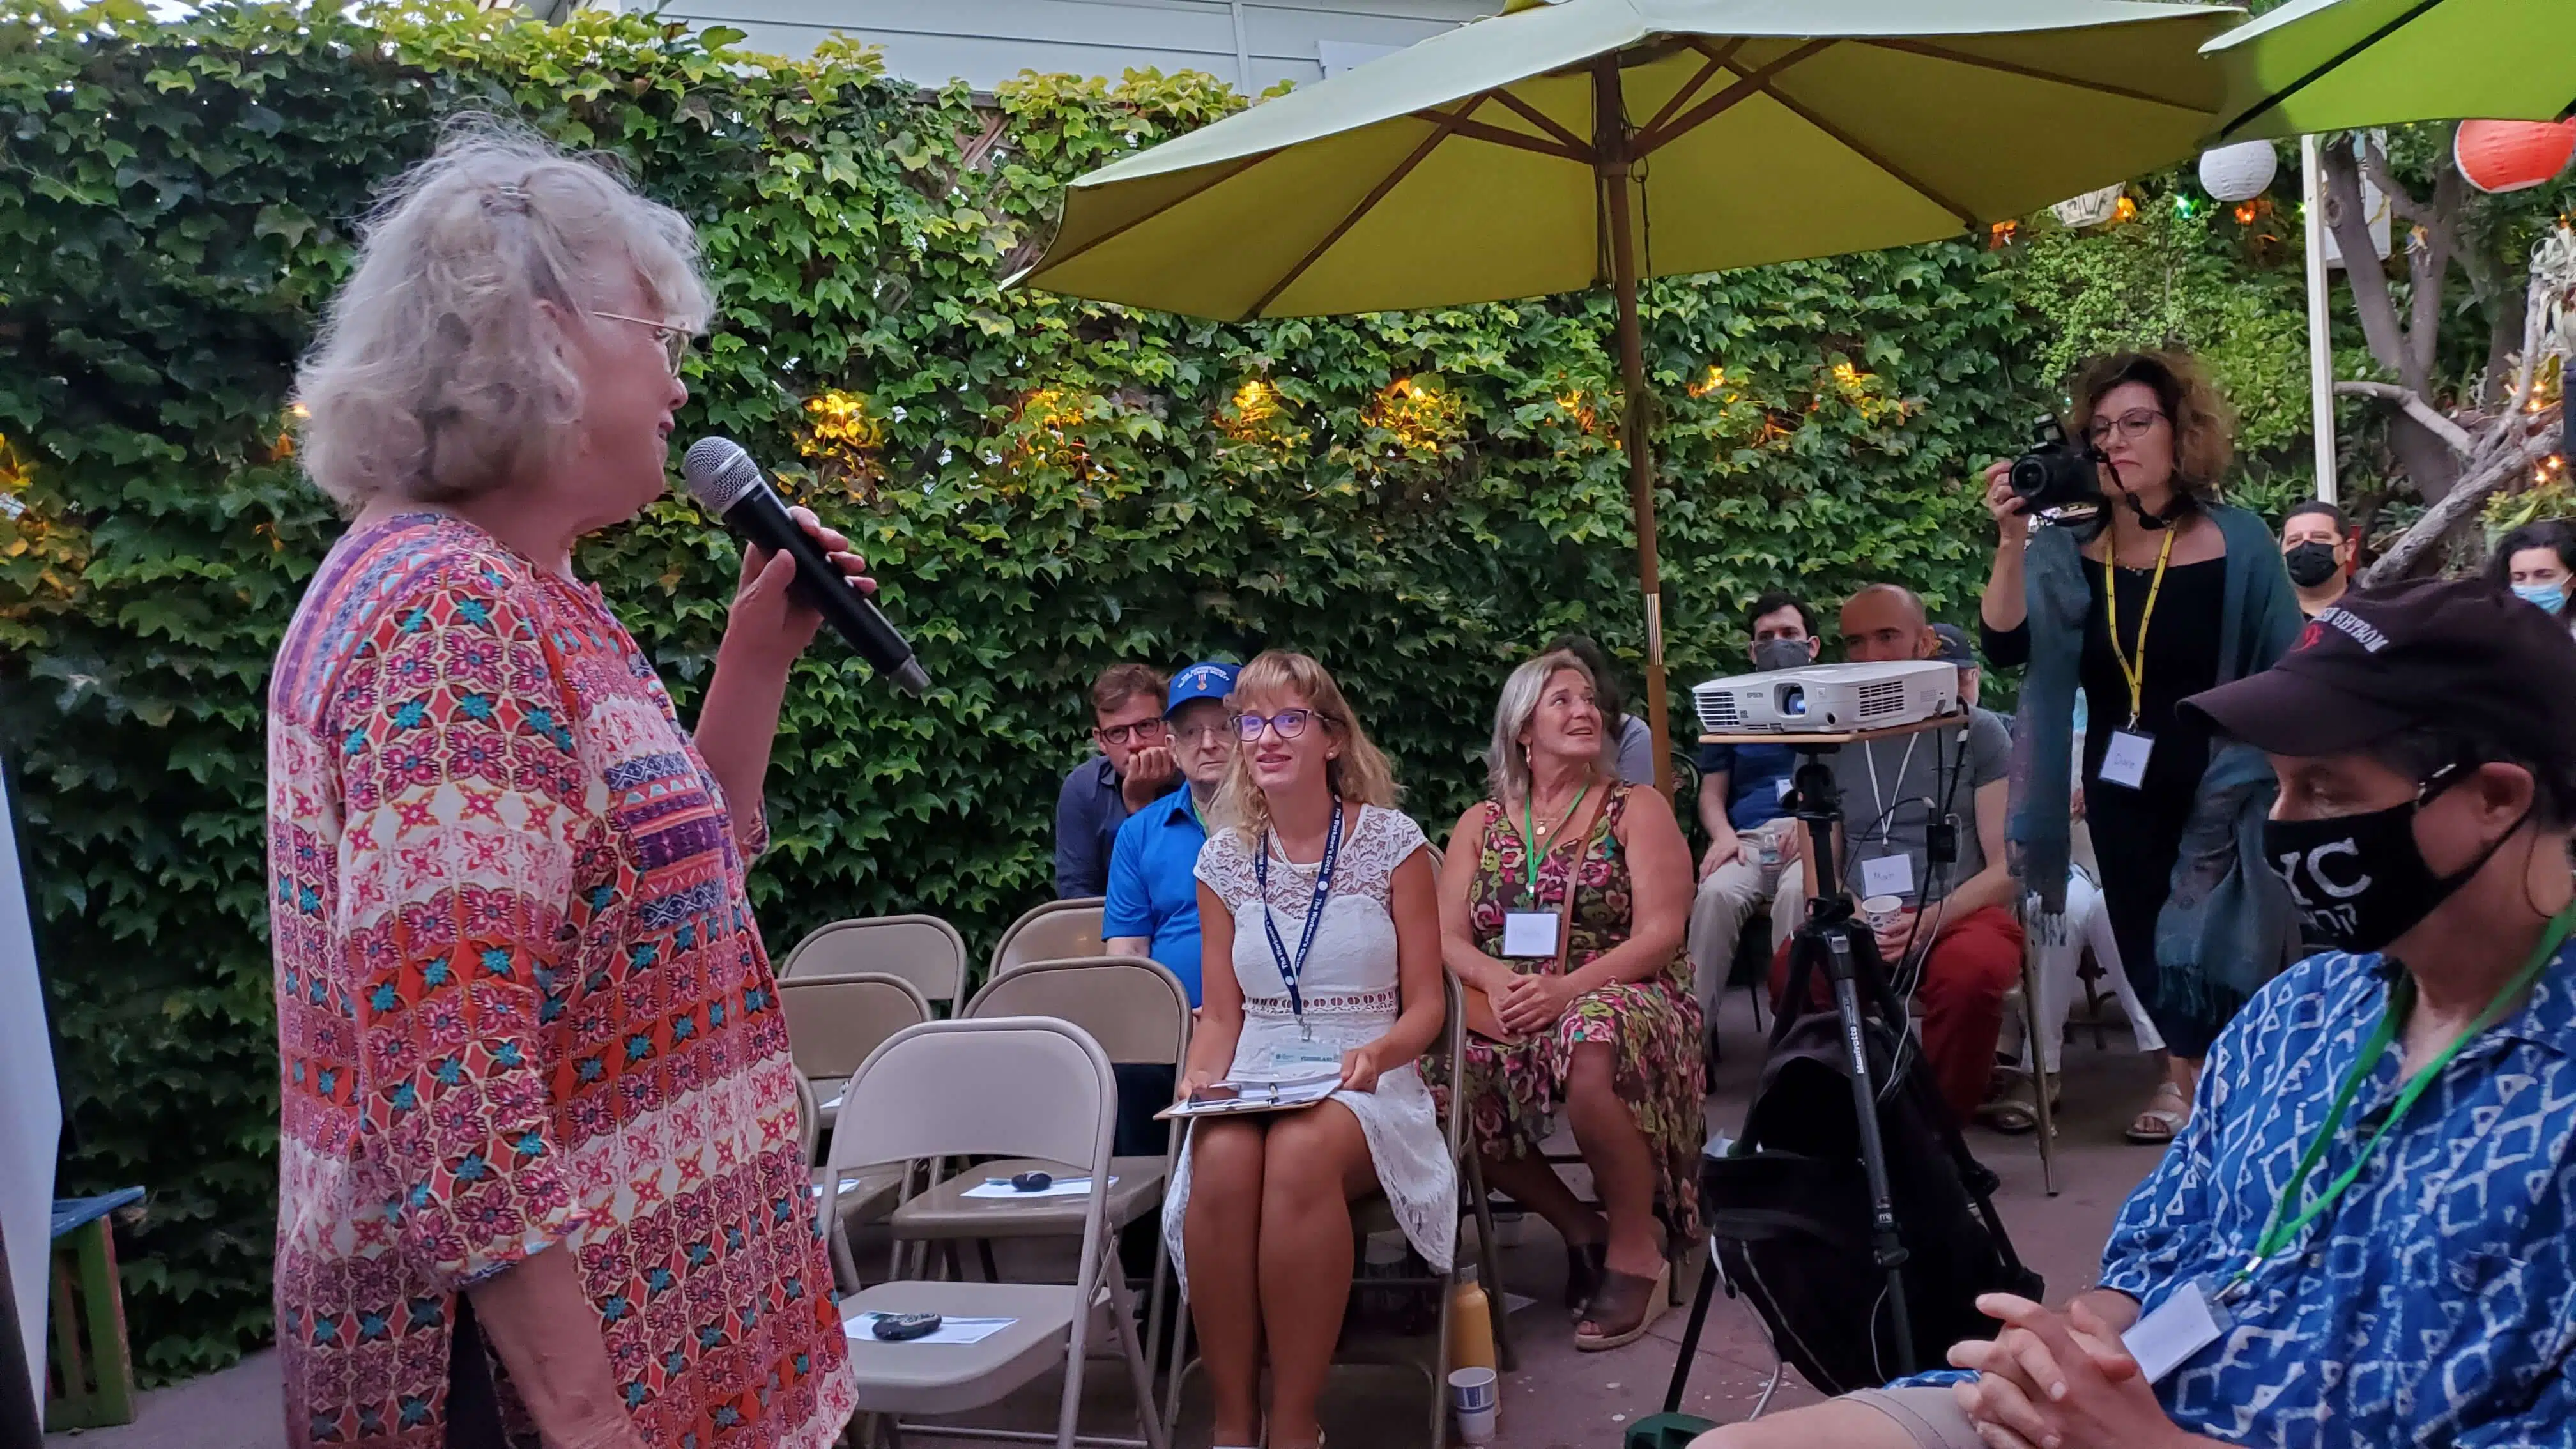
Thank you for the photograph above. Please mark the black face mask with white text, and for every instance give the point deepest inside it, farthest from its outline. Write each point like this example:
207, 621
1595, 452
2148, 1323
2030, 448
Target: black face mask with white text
2360, 881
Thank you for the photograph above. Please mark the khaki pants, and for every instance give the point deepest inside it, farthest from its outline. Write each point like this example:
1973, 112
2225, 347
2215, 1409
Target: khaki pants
1726, 899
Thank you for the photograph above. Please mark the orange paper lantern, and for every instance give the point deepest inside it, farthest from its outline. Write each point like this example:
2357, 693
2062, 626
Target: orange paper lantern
2513, 155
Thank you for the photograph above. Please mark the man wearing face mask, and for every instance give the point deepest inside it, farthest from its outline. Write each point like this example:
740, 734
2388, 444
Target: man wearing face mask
1741, 790
2366, 1234
2316, 548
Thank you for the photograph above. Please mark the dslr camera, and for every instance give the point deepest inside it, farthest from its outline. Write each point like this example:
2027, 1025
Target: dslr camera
2058, 476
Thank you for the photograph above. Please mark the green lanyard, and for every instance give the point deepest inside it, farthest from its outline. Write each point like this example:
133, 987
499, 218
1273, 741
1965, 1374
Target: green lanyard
2401, 999
1531, 855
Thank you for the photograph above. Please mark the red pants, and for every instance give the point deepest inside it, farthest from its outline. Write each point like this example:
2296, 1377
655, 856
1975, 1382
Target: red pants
1974, 963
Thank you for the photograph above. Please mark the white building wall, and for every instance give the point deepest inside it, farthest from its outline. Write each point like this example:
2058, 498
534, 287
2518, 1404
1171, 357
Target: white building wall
1252, 44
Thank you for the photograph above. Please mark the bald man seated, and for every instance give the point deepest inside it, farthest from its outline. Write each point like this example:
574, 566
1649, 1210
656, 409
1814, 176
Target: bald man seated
1899, 796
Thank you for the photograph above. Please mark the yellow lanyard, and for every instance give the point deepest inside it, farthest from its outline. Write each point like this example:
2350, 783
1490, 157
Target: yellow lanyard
2134, 672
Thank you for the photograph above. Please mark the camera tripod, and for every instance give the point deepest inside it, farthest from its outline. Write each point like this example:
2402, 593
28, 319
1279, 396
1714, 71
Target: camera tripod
1831, 940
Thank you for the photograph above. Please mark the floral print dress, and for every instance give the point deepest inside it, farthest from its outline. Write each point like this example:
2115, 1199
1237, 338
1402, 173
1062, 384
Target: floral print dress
521, 1008
1517, 1088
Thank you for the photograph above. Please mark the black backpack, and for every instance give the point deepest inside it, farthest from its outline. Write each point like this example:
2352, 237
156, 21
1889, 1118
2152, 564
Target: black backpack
1790, 1212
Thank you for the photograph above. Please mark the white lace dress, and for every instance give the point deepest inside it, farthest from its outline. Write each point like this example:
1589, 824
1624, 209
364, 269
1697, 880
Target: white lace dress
1351, 997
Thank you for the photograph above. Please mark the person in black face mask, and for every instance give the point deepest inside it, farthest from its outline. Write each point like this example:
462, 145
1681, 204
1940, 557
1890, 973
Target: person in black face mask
1742, 789
2316, 549
2366, 1234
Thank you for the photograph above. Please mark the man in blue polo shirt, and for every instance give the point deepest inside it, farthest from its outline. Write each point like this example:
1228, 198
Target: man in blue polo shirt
1153, 906
1741, 788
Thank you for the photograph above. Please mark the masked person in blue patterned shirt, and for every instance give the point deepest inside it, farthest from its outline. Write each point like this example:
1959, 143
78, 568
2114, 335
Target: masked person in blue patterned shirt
2366, 1234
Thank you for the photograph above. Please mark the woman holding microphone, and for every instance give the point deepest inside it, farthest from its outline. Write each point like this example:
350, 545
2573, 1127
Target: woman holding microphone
2167, 591
539, 1145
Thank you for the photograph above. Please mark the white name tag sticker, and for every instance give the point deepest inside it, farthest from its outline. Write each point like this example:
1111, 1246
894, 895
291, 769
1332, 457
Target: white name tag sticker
2125, 762
1780, 788
1529, 935
1887, 875
2181, 1326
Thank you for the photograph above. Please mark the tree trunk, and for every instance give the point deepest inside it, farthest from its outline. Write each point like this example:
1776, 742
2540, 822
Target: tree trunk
2427, 461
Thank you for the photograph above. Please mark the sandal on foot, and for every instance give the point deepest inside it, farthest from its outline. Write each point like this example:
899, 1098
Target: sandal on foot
2015, 1110
1583, 1269
1625, 1308
2165, 1113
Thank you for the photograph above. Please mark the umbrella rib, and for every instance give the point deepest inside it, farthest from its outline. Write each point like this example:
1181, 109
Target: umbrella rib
1543, 121
1699, 115
1479, 131
1440, 132
1223, 174
1717, 61
1853, 145
2027, 72
2279, 97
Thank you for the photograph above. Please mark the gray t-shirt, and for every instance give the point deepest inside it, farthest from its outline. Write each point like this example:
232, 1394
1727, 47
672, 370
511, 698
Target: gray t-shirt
1894, 789
1636, 751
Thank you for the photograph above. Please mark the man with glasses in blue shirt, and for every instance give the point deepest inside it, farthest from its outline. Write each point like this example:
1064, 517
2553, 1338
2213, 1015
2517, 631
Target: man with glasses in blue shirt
1134, 766
2365, 1235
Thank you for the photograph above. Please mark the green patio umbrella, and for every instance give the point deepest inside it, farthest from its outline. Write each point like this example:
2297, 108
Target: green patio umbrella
2341, 65
1555, 148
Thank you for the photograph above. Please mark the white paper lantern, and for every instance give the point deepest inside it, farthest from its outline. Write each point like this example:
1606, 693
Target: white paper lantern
2240, 172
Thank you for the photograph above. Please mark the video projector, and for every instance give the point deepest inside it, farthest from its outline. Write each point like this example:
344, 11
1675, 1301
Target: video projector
1828, 697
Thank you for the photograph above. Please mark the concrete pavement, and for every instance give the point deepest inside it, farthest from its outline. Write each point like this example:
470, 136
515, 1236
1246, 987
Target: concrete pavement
1559, 1399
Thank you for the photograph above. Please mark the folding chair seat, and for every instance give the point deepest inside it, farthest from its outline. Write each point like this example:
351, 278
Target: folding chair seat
1007, 1087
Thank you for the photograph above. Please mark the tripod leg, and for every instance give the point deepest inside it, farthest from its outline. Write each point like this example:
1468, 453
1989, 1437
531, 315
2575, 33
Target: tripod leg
2039, 1090
1887, 1244
1690, 1336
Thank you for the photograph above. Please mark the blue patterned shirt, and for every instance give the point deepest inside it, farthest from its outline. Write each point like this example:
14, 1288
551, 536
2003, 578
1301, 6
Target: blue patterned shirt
2435, 1302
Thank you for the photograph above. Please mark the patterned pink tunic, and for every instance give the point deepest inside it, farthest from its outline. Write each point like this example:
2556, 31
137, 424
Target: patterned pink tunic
521, 1006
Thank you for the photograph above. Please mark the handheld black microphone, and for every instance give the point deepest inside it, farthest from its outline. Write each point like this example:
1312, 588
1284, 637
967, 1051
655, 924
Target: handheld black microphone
724, 480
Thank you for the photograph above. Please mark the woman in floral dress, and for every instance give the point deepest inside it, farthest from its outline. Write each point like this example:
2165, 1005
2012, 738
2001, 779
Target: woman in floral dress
541, 1169
1576, 947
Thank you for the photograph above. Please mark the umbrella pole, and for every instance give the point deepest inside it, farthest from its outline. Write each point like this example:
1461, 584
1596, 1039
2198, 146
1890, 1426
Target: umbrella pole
1610, 147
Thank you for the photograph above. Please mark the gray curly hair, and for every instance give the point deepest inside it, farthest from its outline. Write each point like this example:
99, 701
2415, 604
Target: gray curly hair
436, 377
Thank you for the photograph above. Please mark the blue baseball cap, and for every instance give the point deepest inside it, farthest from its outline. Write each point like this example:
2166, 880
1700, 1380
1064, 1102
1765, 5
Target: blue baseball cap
1205, 680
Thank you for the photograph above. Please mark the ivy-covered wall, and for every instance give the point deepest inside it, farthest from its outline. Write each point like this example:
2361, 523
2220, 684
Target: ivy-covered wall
1045, 486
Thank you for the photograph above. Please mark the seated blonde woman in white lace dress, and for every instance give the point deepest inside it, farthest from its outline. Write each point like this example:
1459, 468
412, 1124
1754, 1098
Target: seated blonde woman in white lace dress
1320, 932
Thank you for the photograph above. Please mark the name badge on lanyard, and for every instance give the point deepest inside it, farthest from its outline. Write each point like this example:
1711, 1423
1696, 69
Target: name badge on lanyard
2125, 762
1530, 933
1290, 971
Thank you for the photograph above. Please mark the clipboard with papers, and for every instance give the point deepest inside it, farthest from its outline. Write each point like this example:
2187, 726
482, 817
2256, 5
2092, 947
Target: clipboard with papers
1240, 1098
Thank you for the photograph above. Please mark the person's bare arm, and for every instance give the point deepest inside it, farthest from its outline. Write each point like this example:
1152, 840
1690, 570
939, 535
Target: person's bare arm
1128, 945
546, 1331
1992, 886
1414, 901
2003, 607
765, 631
1659, 883
1723, 844
1220, 1021
1457, 882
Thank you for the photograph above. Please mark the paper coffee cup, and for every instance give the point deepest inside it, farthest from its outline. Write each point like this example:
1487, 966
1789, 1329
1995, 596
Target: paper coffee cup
1474, 1389
1882, 911
1476, 1426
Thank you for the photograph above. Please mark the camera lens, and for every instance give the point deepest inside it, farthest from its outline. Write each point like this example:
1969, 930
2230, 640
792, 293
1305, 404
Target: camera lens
1793, 699
2029, 476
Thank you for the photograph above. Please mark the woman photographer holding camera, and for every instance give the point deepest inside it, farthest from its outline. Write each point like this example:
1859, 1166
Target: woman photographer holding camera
2163, 592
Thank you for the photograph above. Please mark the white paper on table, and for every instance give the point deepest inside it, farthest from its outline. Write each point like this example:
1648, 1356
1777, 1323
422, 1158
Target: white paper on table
1061, 1187
833, 1105
950, 1330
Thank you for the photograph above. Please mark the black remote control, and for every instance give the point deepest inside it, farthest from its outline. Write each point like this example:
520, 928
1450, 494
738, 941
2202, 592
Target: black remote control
897, 1327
